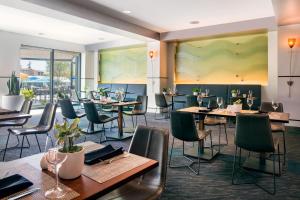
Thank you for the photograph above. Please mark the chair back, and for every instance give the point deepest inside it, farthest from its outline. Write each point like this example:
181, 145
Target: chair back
253, 133
267, 107
48, 116
74, 95
67, 109
143, 106
152, 143
191, 100
91, 112
92, 95
26, 107
183, 126
160, 100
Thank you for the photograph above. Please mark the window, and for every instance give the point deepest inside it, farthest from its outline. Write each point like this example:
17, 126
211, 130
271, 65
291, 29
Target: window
48, 72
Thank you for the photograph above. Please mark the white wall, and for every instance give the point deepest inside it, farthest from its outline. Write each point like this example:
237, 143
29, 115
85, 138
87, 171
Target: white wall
291, 104
10, 44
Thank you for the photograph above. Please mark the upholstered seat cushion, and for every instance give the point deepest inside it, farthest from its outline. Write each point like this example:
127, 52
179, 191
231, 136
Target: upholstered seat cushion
27, 131
203, 133
105, 118
277, 127
212, 121
80, 114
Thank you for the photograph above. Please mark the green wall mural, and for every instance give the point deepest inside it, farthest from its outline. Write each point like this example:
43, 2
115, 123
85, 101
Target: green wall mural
123, 65
237, 59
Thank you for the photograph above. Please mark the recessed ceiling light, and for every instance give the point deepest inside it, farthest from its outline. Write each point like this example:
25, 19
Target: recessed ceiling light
41, 33
194, 22
126, 11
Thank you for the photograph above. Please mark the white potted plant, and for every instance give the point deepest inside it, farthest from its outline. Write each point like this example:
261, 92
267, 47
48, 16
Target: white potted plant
13, 100
234, 93
66, 135
195, 91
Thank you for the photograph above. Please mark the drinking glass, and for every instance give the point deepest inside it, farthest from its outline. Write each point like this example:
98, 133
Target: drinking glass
55, 160
219, 102
206, 92
250, 102
275, 105
199, 99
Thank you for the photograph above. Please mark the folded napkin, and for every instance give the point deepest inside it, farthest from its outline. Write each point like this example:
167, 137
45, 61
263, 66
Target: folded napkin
101, 154
13, 184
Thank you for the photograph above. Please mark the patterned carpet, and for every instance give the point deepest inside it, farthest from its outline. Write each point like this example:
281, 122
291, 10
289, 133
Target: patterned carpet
214, 181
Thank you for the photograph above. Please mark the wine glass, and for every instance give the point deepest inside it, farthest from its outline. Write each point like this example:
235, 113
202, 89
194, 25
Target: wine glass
219, 102
275, 105
250, 102
55, 159
199, 99
206, 92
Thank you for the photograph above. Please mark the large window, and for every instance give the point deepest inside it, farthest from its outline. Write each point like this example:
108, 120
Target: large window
48, 72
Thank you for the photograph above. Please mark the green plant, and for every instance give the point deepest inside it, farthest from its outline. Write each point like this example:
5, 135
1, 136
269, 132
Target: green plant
196, 90
67, 134
14, 85
28, 94
103, 91
234, 91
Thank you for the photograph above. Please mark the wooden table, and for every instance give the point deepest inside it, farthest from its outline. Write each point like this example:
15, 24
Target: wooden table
4, 111
172, 95
120, 135
86, 187
200, 111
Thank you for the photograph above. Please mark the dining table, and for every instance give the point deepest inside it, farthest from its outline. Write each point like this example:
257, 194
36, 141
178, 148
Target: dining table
121, 135
94, 182
206, 154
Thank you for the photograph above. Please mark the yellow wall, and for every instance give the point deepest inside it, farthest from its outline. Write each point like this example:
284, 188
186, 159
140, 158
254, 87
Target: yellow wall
227, 60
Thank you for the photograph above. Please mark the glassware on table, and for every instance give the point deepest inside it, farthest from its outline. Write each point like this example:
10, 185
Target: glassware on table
206, 92
219, 102
199, 99
120, 95
275, 105
250, 102
250, 94
55, 160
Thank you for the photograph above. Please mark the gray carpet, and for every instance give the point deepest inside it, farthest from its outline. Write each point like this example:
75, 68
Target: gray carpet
214, 181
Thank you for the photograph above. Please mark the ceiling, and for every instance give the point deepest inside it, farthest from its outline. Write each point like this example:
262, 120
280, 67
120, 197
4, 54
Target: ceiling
170, 15
287, 11
29, 23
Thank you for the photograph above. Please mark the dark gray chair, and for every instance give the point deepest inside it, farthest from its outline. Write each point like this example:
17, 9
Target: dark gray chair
68, 111
44, 126
183, 128
253, 133
138, 109
161, 104
151, 143
276, 127
94, 118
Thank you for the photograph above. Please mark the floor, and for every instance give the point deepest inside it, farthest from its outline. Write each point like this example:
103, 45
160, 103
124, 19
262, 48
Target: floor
214, 181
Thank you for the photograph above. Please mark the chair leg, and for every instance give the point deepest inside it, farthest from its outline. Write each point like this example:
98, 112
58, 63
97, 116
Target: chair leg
22, 147
284, 148
225, 130
145, 120
38, 142
219, 138
132, 121
27, 141
6, 146
171, 152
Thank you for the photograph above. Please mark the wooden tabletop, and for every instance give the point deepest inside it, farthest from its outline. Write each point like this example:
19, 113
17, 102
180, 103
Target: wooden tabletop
86, 187
14, 116
274, 116
128, 103
174, 94
4, 111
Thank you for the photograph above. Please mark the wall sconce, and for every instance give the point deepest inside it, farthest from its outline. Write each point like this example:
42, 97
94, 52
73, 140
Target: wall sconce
151, 54
291, 43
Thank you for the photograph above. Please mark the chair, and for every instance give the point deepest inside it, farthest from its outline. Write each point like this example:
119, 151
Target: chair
94, 118
276, 127
77, 98
191, 101
138, 109
151, 143
253, 133
183, 128
44, 126
161, 104
67, 110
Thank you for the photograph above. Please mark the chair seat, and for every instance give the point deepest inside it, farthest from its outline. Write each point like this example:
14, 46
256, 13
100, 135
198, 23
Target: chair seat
105, 118
134, 190
275, 127
27, 131
203, 133
211, 121
80, 114
12, 123
134, 112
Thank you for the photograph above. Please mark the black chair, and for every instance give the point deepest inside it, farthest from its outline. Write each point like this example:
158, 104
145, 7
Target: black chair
151, 143
94, 118
276, 127
44, 126
161, 104
183, 128
76, 97
253, 133
67, 110
138, 109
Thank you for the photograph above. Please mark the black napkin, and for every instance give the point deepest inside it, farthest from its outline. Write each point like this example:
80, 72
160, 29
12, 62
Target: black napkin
13, 184
101, 154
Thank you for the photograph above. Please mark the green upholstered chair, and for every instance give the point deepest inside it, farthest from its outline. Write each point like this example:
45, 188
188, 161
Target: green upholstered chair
253, 133
183, 128
138, 109
162, 105
276, 127
94, 118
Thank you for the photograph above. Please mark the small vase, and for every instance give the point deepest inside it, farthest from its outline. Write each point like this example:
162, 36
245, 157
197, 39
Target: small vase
234, 94
195, 93
73, 165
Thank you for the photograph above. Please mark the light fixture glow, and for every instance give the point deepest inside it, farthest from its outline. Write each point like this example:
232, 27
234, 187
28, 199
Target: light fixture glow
126, 11
291, 42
